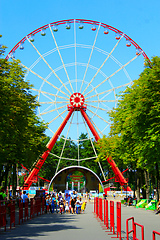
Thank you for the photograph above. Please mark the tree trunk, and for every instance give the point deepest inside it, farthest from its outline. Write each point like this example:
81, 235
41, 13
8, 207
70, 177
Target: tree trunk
138, 185
146, 176
158, 181
6, 177
14, 180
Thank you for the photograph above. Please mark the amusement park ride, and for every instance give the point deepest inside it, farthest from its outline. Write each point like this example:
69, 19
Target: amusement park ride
90, 95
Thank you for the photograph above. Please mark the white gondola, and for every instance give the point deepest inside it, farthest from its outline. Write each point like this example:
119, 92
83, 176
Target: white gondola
31, 38
106, 30
68, 25
93, 27
138, 51
117, 36
12, 54
55, 28
21, 46
81, 26
128, 43
43, 32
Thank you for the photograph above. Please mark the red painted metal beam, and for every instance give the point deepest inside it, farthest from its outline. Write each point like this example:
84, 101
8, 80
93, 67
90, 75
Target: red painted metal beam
118, 175
44, 156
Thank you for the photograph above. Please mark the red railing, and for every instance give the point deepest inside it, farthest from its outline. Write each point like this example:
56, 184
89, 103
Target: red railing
3, 214
97, 206
32, 207
142, 231
20, 211
119, 220
127, 227
133, 230
112, 217
106, 214
12, 213
38, 204
26, 210
154, 233
43, 205
100, 209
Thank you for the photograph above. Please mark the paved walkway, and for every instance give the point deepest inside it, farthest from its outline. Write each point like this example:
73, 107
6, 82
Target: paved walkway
77, 227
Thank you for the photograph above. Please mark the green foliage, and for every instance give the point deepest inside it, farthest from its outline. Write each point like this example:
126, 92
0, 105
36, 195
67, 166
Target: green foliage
70, 151
135, 129
21, 132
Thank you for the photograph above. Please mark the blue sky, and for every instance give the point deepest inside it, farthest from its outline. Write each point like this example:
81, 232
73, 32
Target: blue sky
138, 19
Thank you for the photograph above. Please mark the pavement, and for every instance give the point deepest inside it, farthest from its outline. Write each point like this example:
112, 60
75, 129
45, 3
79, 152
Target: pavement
81, 226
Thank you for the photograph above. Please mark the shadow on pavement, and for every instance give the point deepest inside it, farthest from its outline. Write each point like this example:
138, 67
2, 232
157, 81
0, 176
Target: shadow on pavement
40, 225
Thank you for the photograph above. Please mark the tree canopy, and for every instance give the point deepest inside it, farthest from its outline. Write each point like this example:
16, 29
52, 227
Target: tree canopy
21, 132
135, 123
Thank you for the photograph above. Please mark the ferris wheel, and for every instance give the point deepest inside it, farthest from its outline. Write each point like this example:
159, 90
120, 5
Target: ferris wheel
79, 69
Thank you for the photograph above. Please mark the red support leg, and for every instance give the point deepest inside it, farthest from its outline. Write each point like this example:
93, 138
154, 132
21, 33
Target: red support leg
115, 169
50, 145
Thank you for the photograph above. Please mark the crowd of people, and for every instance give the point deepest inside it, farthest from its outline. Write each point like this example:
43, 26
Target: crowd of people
67, 203
54, 202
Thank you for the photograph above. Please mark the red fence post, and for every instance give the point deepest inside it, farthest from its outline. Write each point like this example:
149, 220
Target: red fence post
43, 205
112, 216
32, 208
142, 231
119, 220
12, 213
154, 233
127, 228
3, 214
26, 209
97, 206
104, 211
20, 210
38, 206
100, 208
107, 223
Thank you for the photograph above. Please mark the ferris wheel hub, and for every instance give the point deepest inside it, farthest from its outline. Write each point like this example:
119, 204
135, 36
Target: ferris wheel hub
77, 100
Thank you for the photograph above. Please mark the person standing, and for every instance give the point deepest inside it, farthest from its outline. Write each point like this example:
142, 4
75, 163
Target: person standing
24, 197
73, 202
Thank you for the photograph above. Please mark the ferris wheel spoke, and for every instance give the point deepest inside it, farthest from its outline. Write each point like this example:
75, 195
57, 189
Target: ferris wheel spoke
64, 144
49, 66
95, 152
61, 57
30, 70
75, 52
47, 93
88, 105
78, 138
97, 115
51, 110
71, 159
57, 116
111, 75
103, 64
108, 91
90, 56
100, 101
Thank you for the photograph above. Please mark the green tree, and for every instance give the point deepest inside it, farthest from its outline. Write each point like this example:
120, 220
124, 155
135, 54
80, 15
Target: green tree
135, 125
21, 131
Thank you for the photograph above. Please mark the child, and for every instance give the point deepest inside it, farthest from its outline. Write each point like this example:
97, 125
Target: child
67, 207
83, 207
61, 206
